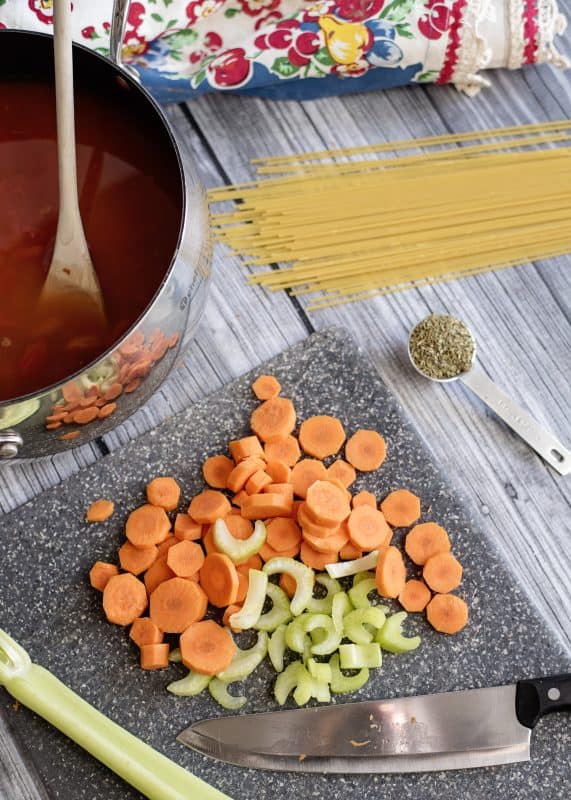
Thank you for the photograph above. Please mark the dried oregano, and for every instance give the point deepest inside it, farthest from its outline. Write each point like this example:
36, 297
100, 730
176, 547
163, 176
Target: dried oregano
442, 346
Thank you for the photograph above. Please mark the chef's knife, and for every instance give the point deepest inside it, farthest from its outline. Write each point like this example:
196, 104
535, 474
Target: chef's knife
453, 730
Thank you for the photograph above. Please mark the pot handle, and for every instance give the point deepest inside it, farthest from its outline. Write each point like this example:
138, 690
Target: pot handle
118, 25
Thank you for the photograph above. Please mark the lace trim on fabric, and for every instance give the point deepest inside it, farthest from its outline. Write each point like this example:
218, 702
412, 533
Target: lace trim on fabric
551, 23
474, 54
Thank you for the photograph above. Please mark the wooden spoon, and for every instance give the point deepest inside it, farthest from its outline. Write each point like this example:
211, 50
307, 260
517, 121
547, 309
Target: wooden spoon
71, 285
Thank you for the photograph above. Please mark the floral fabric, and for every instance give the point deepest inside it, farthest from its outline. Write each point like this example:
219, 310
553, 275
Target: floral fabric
279, 48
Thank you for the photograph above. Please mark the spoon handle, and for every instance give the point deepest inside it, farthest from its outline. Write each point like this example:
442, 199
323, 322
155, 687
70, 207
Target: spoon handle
536, 436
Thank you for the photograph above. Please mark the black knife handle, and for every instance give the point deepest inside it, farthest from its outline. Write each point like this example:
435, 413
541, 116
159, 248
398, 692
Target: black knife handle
540, 696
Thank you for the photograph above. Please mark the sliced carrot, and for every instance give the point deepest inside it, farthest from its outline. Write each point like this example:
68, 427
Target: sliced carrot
177, 603
263, 506
144, 631
329, 543
257, 482
247, 447
327, 503
364, 499
219, 579
207, 647
238, 498
154, 656
165, 546
208, 506
336, 482
401, 508
273, 419
321, 436
288, 584
442, 572
315, 560
234, 512
295, 508
266, 552
426, 540
157, 574
242, 587
447, 613
415, 596
242, 472
305, 473
278, 471
307, 521
286, 450
99, 511
343, 472
137, 559
208, 541
390, 575
186, 528
285, 489
348, 552
147, 525
124, 599
100, 573
366, 450
233, 609
254, 562
216, 470
163, 492
368, 529
185, 558
283, 533
266, 386
239, 527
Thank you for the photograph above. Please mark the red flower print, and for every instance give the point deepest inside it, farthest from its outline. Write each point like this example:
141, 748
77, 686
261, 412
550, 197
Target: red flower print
435, 21
230, 69
136, 14
213, 41
199, 9
255, 7
358, 10
88, 32
43, 10
280, 37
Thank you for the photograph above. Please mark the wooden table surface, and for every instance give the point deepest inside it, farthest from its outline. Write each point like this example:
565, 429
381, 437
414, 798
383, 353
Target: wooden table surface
521, 318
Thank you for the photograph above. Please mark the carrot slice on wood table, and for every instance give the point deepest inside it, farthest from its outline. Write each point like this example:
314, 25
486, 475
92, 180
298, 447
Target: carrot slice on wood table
124, 599
318, 561
343, 472
144, 631
100, 573
401, 508
288, 584
137, 559
233, 609
368, 529
157, 574
273, 419
334, 541
177, 603
321, 436
163, 492
266, 387
208, 506
165, 546
366, 450
283, 533
426, 540
219, 579
442, 573
185, 558
285, 489
415, 596
239, 527
390, 575
242, 587
147, 525
286, 450
257, 482
327, 503
447, 613
278, 471
349, 552
99, 511
254, 562
216, 470
248, 447
207, 647
364, 499
242, 472
266, 552
305, 473
263, 506
186, 528
154, 656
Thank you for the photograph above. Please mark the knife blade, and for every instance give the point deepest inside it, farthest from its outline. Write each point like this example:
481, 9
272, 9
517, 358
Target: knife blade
451, 730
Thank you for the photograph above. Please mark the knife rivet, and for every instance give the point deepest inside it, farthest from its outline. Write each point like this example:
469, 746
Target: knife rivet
553, 693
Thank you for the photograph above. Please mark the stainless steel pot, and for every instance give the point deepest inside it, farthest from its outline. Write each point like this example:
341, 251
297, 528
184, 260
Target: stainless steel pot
177, 305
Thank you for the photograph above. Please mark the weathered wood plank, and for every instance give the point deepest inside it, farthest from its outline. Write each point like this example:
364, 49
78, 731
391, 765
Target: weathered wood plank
18, 778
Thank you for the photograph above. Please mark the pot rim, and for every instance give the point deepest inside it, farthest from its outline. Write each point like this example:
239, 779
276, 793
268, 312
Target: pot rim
133, 84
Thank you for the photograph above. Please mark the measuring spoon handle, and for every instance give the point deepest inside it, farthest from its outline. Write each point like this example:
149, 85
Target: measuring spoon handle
542, 440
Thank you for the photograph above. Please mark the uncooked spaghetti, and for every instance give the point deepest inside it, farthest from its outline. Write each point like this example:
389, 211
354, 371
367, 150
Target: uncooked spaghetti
363, 221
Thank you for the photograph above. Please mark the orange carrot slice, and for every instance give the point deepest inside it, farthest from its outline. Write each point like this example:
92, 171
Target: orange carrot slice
187, 528
288, 584
401, 508
426, 540
257, 482
242, 472
285, 489
415, 596
216, 470
208, 506
262, 506
327, 503
318, 561
144, 631
265, 387
266, 552
233, 609
163, 492
349, 552
238, 498
165, 546
283, 533
219, 579
207, 647
328, 544
390, 575
305, 473
137, 559
442, 573
366, 450
278, 471
154, 656
447, 613
254, 562
185, 558
364, 499
100, 573
242, 587
343, 472
177, 603
321, 436
157, 574
124, 599
273, 419
247, 447
286, 450
147, 525
368, 529
208, 541
239, 527
99, 511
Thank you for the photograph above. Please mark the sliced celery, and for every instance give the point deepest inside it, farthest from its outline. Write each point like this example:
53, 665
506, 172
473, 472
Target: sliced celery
296, 635
321, 672
245, 662
251, 611
345, 568
331, 642
302, 575
239, 550
359, 594
355, 621
343, 684
276, 648
219, 691
362, 576
287, 681
391, 637
175, 656
318, 635
341, 606
303, 692
321, 691
323, 605
192, 684
355, 656
280, 611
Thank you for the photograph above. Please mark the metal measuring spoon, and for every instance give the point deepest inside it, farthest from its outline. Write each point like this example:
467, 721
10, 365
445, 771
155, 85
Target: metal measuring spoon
536, 436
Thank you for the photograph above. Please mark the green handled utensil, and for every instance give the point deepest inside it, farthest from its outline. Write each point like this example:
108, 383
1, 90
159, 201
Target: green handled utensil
151, 773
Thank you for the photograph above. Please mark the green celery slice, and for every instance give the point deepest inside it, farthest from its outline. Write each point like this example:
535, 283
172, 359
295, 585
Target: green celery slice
303, 692
280, 611
175, 656
245, 662
355, 656
302, 575
391, 637
344, 684
323, 605
343, 569
277, 647
295, 635
251, 611
331, 642
219, 691
359, 594
320, 671
341, 606
321, 691
238, 550
355, 621
287, 681
192, 684
362, 576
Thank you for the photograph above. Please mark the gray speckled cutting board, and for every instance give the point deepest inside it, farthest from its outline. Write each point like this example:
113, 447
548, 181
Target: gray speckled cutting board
47, 604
